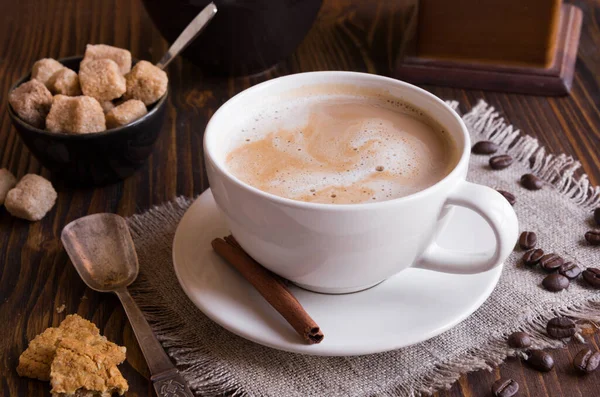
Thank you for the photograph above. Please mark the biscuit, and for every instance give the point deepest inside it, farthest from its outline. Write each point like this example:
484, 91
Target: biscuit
79, 366
36, 360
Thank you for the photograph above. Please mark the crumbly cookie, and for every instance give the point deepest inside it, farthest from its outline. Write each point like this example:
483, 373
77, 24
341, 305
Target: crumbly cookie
36, 360
81, 366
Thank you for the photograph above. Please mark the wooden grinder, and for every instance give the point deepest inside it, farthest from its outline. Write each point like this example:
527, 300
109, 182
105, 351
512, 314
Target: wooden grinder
524, 46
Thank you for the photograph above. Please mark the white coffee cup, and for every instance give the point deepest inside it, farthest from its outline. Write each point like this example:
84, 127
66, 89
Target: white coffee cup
345, 248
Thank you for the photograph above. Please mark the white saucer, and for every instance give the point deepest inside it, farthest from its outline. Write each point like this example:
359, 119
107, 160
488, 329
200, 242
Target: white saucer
408, 308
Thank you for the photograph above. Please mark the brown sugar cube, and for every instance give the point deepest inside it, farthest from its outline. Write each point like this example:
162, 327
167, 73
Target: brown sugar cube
102, 51
75, 115
7, 182
125, 113
65, 82
31, 101
101, 79
146, 82
43, 69
31, 199
107, 106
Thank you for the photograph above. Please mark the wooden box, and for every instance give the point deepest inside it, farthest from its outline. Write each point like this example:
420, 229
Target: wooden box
509, 32
526, 46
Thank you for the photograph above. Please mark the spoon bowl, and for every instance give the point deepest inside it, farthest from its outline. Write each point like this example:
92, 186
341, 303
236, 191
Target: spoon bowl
102, 251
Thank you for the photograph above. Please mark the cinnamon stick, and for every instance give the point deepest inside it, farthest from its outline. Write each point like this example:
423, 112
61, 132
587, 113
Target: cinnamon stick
271, 287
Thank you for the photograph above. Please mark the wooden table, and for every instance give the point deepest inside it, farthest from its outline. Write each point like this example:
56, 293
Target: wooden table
35, 274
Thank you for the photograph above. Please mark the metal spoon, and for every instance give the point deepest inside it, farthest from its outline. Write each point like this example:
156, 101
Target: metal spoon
102, 251
189, 34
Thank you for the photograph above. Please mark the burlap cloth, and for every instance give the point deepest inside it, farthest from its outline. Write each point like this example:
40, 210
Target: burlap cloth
215, 361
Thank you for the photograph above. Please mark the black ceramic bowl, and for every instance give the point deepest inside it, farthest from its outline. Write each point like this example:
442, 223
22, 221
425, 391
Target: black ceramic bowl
245, 37
97, 158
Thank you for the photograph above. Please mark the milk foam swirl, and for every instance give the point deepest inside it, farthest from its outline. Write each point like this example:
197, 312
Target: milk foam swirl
341, 149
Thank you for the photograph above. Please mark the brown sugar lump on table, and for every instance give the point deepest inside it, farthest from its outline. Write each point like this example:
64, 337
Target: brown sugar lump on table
101, 79
31, 199
75, 115
7, 182
102, 51
146, 82
65, 82
43, 69
125, 113
32, 102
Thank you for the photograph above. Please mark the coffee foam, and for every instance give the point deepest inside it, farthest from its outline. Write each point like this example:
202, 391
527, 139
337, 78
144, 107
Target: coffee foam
340, 148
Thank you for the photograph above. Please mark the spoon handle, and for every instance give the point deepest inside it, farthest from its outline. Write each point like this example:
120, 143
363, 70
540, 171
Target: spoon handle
166, 378
189, 34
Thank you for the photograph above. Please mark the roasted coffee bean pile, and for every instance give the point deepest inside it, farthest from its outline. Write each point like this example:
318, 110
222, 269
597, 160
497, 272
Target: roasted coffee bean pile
528, 181
561, 274
585, 362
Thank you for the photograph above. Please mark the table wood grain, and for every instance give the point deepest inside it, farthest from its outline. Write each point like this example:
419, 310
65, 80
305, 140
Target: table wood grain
35, 274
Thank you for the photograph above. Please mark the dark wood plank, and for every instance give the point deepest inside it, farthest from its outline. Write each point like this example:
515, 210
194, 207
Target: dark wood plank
35, 274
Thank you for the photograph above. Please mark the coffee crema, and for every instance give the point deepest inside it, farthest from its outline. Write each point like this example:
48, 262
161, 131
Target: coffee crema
341, 149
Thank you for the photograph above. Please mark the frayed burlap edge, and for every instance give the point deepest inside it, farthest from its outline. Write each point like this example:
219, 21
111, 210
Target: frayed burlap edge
207, 378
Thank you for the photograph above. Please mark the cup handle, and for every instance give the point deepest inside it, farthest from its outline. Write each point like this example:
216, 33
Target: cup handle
497, 212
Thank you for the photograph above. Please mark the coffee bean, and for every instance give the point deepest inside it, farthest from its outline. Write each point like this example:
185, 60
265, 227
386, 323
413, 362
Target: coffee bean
593, 237
597, 216
586, 361
592, 276
519, 340
540, 360
505, 388
551, 262
531, 182
508, 196
570, 270
528, 240
532, 257
500, 162
561, 328
484, 147
555, 282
